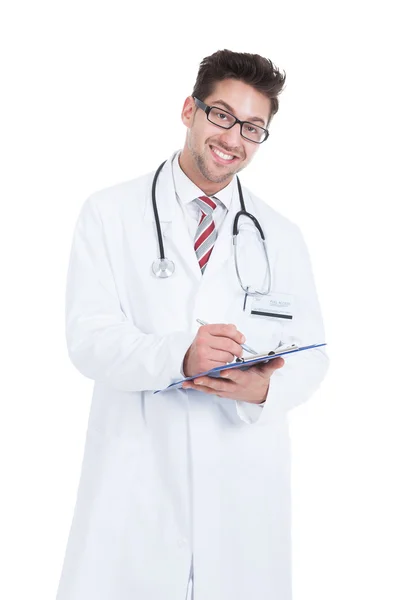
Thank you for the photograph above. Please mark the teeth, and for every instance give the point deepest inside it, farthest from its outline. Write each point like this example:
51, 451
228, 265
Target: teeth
224, 156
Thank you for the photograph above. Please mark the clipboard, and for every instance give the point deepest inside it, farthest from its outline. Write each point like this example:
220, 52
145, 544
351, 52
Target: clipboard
242, 364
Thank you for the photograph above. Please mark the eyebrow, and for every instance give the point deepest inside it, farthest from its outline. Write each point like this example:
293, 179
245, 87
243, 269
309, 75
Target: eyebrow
230, 109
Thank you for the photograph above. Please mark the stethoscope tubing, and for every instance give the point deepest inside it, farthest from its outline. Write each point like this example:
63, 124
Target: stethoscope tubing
155, 210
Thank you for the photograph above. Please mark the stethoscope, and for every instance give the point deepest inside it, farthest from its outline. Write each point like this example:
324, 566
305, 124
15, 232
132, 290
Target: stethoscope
163, 267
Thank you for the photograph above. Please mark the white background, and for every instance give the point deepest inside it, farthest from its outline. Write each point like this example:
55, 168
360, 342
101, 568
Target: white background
91, 96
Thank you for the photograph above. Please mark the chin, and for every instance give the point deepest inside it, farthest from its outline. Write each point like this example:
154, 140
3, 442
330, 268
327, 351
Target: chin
221, 177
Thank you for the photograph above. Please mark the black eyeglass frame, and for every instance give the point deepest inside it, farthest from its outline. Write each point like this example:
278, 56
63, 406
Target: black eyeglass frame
207, 110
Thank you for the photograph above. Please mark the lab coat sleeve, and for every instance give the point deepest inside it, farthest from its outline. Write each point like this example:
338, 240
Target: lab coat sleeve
103, 344
303, 372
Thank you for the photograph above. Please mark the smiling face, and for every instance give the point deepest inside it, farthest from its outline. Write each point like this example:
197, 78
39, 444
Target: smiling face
212, 155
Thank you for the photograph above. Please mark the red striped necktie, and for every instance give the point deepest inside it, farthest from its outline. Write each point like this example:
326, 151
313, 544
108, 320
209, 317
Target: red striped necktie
206, 234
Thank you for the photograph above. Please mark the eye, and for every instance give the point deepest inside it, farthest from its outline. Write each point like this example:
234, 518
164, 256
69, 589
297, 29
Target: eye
222, 116
251, 129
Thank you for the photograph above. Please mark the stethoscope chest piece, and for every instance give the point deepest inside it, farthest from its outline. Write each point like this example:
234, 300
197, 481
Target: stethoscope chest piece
162, 268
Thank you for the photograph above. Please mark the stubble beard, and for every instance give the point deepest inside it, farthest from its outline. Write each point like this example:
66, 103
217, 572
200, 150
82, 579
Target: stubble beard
201, 164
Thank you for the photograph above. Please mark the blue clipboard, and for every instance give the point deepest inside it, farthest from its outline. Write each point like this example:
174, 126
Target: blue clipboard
242, 364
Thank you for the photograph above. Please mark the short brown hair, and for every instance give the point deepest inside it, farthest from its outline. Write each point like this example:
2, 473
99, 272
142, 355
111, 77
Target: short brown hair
253, 69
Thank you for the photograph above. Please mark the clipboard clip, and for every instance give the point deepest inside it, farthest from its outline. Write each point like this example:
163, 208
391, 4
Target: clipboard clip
283, 348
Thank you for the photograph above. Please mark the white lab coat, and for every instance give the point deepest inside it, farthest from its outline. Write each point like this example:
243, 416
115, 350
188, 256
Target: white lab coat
178, 472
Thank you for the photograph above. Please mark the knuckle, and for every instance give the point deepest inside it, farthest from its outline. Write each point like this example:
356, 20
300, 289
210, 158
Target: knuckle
201, 341
230, 329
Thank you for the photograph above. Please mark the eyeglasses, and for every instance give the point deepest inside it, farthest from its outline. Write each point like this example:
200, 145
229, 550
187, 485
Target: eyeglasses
226, 120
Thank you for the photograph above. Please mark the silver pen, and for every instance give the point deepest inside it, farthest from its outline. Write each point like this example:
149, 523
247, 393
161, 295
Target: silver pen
246, 348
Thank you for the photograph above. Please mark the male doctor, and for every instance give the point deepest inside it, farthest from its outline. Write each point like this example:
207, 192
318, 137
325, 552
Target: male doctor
186, 493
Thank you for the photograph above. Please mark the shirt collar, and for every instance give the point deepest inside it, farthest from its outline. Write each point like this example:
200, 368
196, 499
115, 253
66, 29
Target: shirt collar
187, 191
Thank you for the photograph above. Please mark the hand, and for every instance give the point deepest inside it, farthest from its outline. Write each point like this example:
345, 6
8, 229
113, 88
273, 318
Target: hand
250, 385
214, 346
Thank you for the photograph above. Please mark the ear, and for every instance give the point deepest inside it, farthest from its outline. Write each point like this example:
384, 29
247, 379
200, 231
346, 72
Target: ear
188, 111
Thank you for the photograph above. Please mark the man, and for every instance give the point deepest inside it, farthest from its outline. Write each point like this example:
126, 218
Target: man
186, 493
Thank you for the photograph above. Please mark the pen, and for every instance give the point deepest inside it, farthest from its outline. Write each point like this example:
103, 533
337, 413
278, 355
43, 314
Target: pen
246, 348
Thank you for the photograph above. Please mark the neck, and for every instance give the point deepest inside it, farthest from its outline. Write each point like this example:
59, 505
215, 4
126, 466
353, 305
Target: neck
190, 169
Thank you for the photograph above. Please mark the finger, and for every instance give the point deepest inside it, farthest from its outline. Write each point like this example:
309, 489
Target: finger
226, 345
201, 388
214, 364
271, 366
221, 356
191, 384
235, 375
276, 363
215, 384
226, 330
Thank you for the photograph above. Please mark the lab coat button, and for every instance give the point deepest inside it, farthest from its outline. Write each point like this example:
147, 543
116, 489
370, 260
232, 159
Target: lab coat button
182, 542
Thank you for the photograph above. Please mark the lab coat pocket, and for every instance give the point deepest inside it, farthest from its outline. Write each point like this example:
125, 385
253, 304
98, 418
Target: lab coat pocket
263, 333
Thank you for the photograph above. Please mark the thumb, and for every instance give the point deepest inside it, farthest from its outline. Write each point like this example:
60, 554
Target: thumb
272, 365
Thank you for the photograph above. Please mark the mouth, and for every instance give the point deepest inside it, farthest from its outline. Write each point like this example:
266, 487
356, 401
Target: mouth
222, 157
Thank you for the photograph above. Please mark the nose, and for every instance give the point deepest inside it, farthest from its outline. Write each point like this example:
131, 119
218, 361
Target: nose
231, 137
